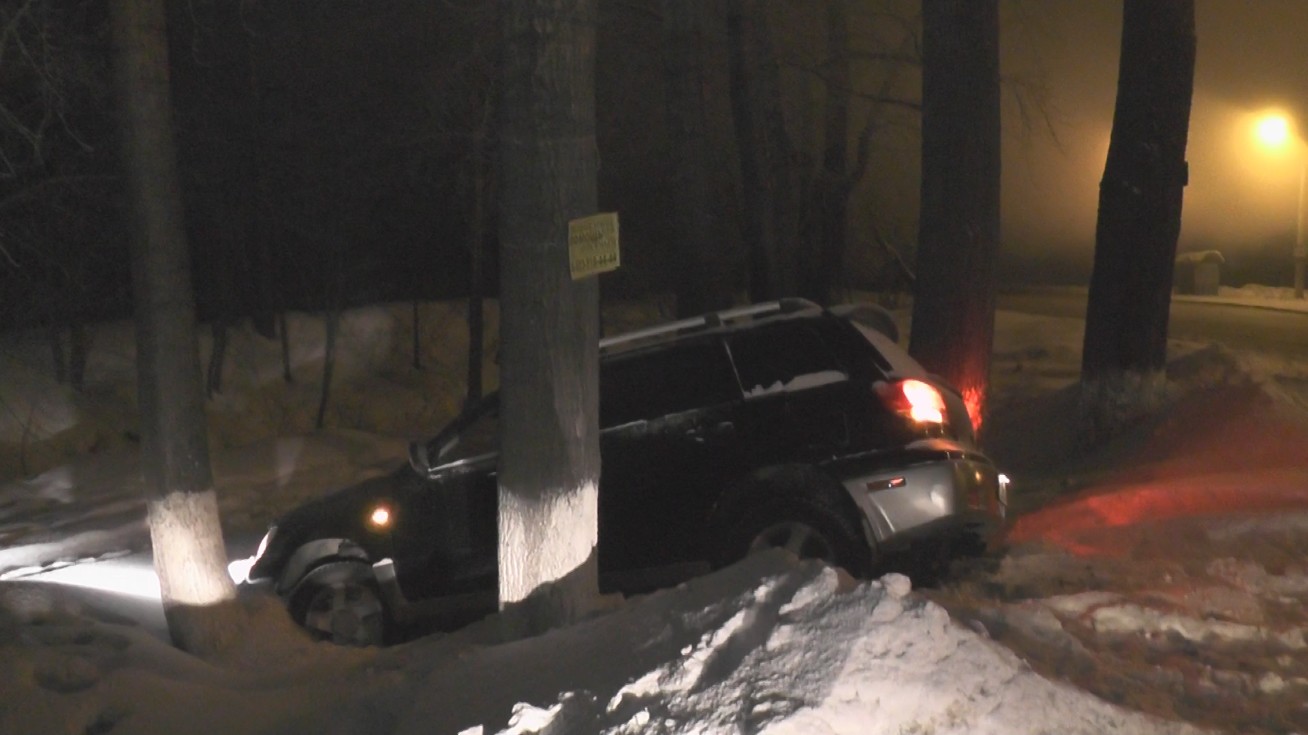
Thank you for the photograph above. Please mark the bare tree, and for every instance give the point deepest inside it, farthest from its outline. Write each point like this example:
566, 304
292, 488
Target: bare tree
958, 234
1125, 349
56, 177
483, 183
693, 212
771, 211
182, 508
549, 464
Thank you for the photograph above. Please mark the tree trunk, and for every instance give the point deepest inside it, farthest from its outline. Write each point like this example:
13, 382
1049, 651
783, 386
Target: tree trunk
283, 333
833, 182
331, 326
958, 231
416, 334
482, 191
182, 508
77, 351
549, 465
476, 295
1125, 348
756, 228
693, 207
779, 156
771, 204
213, 383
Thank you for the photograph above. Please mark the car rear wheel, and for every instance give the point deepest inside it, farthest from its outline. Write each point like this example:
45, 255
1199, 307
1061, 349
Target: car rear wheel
341, 603
797, 537
805, 527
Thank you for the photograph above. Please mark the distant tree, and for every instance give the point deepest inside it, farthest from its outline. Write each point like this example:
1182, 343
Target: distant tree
770, 214
549, 463
216, 122
58, 189
182, 508
483, 186
1125, 348
958, 232
808, 105
693, 211
832, 183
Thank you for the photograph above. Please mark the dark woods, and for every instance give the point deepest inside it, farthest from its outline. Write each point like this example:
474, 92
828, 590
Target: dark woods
338, 154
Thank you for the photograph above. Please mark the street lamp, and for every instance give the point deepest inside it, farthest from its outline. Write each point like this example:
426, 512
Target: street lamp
1275, 131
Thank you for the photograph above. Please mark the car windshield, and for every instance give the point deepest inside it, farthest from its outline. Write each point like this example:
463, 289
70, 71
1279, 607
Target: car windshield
474, 433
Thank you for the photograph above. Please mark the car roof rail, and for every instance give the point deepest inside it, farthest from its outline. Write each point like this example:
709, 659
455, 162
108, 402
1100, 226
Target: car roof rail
710, 320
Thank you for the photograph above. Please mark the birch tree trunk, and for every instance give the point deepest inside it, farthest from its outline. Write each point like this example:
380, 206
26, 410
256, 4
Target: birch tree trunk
182, 508
550, 463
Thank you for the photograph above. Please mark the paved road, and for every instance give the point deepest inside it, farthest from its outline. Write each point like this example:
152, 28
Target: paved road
1284, 333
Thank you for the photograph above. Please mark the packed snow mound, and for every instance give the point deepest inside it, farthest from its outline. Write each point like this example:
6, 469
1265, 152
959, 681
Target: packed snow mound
769, 645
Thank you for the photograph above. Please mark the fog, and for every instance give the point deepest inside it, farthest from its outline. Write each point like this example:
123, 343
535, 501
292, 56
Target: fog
1242, 197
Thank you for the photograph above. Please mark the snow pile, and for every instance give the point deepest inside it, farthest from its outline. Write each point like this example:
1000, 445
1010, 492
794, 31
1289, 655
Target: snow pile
768, 645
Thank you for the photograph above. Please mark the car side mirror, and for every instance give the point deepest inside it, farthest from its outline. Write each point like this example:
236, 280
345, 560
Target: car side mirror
418, 458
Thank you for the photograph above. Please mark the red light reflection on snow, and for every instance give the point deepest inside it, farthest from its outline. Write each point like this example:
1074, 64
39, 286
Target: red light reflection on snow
1077, 524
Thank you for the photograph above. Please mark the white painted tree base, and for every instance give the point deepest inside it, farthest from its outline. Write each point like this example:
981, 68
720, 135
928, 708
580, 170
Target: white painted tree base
1109, 403
199, 597
547, 547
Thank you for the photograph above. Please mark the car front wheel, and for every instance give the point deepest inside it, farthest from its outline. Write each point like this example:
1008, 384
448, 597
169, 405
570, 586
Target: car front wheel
341, 603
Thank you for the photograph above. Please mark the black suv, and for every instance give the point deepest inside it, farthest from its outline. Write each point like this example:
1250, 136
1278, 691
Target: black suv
779, 424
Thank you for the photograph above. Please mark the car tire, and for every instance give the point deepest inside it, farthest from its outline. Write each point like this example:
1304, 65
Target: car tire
809, 525
340, 602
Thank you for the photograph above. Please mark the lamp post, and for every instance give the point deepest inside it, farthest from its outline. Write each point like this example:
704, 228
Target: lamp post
1275, 131
1300, 251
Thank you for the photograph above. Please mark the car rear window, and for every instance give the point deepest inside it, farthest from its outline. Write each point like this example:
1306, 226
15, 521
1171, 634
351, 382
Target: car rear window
784, 357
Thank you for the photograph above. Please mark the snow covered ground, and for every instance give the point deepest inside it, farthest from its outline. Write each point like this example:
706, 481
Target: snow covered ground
1154, 585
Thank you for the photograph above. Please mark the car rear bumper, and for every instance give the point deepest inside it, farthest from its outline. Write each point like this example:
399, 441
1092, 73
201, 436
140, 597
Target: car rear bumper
924, 491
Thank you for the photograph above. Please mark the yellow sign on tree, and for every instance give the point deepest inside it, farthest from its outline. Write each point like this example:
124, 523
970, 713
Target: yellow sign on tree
593, 244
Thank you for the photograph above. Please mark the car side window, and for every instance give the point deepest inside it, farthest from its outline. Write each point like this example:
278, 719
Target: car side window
646, 386
783, 357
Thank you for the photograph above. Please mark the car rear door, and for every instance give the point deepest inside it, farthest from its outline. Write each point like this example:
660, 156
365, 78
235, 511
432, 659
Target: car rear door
668, 445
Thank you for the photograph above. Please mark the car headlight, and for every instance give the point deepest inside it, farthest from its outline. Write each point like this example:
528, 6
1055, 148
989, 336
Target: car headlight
380, 517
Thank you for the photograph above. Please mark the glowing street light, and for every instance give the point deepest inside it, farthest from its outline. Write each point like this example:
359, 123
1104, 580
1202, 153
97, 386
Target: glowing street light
1275, 131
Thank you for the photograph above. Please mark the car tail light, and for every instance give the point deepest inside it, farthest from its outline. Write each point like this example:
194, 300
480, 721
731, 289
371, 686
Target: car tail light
913, 399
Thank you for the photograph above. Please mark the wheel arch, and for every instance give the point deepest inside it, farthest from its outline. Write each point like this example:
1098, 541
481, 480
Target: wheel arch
787, 483
317, 554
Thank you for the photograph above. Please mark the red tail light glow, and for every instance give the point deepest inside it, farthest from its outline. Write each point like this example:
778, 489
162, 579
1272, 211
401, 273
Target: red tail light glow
913, 399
